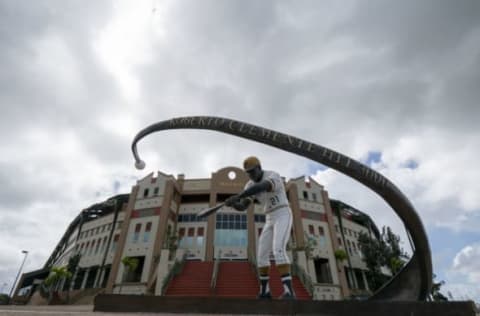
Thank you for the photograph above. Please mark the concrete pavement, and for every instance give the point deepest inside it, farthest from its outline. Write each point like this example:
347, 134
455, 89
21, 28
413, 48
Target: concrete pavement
73, 310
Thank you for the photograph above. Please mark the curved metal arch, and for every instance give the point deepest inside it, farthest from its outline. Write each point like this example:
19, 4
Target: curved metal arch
414, 281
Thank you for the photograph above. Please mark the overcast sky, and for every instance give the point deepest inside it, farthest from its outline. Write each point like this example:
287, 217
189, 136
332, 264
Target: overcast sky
394, 84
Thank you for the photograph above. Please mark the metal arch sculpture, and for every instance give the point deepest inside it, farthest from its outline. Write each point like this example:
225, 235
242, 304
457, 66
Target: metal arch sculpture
414, 281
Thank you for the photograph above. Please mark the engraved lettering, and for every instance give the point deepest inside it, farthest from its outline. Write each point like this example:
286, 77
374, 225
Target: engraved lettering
241, 128
290, 139
274, 137
348, 163
265, 133
219, 122
339, 157
311, 147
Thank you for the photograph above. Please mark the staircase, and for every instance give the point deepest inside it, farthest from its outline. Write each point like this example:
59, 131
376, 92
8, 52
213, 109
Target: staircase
194, 280
235, 279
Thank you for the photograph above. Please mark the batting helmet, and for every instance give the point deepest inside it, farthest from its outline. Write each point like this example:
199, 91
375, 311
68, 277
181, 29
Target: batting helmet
250, 163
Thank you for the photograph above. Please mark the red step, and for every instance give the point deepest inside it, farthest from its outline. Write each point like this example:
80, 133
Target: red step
236, 279
193, 280
276, 286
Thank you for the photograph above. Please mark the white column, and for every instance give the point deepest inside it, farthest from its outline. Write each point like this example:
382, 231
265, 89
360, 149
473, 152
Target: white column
85, 276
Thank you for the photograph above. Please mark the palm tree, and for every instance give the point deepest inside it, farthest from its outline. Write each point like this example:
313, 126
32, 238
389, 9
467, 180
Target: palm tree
72, 266
57, 274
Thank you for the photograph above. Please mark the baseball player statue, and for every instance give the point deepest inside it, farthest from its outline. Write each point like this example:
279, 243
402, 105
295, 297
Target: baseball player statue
266, 187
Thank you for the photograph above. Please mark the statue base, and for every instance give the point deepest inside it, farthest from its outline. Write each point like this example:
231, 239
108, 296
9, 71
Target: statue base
215, 305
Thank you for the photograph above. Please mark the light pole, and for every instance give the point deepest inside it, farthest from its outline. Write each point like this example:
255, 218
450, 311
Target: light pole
18, 274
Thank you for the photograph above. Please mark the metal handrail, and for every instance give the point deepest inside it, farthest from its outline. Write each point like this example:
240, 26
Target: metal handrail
213, 282
176, 268
253, 262
304, 277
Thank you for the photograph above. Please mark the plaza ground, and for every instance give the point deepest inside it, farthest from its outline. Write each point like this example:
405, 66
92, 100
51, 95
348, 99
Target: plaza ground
71, 310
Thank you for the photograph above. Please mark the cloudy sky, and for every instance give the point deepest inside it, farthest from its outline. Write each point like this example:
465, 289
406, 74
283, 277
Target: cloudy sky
394, 84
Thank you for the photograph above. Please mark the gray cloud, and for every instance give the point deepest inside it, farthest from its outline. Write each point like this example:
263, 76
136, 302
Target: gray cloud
79, 80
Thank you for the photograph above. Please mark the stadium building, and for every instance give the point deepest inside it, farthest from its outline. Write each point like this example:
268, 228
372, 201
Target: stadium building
156, 227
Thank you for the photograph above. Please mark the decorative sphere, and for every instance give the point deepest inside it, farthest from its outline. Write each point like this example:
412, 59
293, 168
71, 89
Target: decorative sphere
140, 164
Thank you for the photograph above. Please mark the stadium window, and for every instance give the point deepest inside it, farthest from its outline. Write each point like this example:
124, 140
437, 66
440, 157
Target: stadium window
115, 242
200, 232
97, 246
321, 231
146, 234
136, 234
155, 191
311, 230
104, 244
145, 192
91, 247
259, 218
314, 196
305, 195
181, 238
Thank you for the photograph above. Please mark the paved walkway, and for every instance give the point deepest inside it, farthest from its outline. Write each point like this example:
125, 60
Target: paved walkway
73, 310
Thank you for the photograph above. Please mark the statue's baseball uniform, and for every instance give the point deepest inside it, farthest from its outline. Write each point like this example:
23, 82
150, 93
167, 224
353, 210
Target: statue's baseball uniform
276, 232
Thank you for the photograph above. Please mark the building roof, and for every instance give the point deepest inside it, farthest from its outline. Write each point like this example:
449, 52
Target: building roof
355, 215
98, 209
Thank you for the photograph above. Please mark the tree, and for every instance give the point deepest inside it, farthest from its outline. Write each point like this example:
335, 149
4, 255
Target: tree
435, 292
4, 299
340, 255
130, 265
382, 252
57, 274
72, 266
396, 256
310, 244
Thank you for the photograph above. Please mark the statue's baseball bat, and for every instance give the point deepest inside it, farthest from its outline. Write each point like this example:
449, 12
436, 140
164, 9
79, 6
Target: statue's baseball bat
211, 210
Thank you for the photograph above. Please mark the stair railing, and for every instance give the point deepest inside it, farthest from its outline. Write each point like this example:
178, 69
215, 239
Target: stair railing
304, 278
216, 266
174, 270
253, 262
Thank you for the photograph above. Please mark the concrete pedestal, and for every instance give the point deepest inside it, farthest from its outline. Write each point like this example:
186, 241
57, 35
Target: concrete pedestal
211, 305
